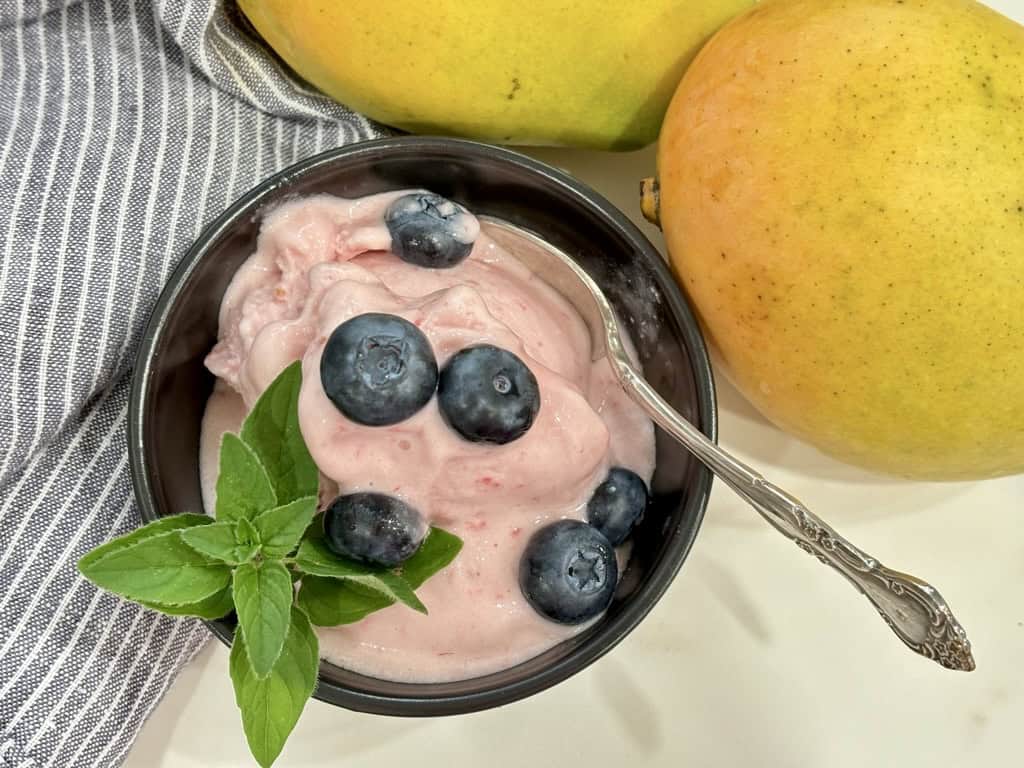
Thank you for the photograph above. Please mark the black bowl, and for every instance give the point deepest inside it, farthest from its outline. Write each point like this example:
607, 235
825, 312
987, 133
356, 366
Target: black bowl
171, 385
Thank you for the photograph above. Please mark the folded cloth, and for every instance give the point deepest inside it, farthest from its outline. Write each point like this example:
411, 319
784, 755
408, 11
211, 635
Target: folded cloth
126, 125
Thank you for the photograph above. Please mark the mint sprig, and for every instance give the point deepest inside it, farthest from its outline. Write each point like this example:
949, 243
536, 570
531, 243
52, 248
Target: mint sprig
265, 537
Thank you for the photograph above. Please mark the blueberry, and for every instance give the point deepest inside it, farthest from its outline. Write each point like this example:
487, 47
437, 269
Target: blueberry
373, 528
430, 231
378, 369
488, 395
568, 572
618, 504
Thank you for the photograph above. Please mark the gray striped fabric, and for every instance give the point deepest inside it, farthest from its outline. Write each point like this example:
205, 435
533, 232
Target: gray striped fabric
125, 125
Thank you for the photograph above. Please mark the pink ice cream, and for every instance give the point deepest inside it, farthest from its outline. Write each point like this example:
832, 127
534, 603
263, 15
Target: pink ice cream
323, 260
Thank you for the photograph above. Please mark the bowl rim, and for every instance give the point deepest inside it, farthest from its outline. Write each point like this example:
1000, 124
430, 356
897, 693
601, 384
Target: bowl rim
689, 330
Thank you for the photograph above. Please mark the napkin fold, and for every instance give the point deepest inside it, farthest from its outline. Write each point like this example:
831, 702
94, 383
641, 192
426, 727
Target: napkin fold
125, 125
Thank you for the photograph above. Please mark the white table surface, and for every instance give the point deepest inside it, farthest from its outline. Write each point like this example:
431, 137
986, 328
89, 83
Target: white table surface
757, 655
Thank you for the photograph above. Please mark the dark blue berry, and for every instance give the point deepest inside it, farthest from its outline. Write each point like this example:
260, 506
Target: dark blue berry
488, 395
568, 572
618, 504
378, 369
430, 231
373, 528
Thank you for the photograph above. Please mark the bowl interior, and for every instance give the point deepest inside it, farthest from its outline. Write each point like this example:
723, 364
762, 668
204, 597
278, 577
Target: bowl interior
171, 384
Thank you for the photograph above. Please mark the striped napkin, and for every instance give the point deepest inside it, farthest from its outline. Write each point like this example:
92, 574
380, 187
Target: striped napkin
126, 125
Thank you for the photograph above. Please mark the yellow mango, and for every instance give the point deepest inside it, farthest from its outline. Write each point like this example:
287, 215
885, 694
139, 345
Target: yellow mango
589, 73
842, 195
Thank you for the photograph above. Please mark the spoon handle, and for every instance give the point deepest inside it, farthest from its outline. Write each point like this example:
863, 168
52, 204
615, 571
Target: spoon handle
914, 609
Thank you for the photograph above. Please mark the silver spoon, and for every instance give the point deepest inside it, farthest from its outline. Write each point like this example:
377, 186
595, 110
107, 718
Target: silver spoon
913, 608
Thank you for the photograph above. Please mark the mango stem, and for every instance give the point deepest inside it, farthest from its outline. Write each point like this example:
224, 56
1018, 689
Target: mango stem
650, 201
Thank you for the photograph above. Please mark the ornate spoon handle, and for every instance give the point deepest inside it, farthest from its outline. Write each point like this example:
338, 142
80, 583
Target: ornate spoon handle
914, 609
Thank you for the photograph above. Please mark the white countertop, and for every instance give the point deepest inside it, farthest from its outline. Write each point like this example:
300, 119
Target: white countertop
757, 655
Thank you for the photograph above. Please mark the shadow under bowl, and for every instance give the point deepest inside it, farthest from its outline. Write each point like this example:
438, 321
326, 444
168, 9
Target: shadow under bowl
171, 385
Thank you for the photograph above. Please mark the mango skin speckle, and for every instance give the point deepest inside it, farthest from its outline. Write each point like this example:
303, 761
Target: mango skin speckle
842, 194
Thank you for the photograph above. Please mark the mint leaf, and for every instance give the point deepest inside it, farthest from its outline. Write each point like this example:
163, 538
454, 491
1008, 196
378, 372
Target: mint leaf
159, 569
271, 706
215, 606
272, 430
434, 554
220, 542
243, 486
315, 529
263, 598
316, 559
156, 528
281, 528
332, 602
